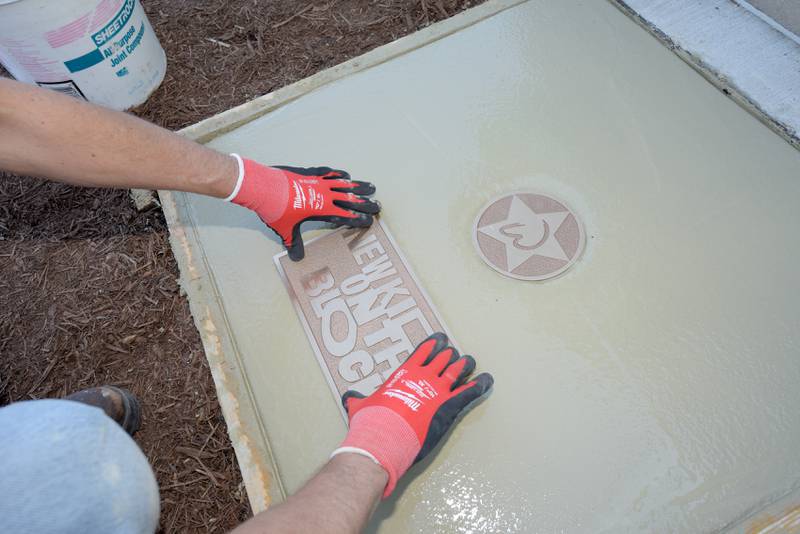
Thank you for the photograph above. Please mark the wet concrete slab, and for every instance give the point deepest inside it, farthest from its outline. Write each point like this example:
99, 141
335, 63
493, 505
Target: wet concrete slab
362, 308
652, 385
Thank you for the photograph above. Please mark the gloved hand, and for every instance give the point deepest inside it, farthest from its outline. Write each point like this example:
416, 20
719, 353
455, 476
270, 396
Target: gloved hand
405, 418
285, 197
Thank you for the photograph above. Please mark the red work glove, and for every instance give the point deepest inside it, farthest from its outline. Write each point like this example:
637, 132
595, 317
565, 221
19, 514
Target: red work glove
285, 197
401, 422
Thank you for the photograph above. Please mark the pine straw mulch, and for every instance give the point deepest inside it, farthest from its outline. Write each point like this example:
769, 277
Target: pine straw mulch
88, 286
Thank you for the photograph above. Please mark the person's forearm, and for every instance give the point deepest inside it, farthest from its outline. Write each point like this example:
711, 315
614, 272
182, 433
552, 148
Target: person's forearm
339, 499
53, 136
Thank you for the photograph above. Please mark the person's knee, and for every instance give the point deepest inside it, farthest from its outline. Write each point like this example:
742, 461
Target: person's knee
69, 467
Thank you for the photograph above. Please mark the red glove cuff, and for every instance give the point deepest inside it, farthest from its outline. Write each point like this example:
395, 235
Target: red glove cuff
387, 437
263, 189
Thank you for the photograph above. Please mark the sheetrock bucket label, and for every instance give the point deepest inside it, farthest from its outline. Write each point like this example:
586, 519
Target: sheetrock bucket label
110, 41
105, 51
360, 305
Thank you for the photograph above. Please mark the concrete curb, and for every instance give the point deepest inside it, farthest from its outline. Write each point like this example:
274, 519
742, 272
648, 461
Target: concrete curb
745, 54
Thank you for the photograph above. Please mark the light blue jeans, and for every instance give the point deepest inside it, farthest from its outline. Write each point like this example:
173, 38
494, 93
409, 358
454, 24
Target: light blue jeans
66, 467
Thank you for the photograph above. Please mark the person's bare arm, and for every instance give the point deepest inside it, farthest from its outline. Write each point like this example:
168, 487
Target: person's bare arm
390, 430
339, 499
49, 135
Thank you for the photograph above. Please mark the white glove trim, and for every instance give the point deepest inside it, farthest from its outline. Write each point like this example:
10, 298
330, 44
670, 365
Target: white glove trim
238, 179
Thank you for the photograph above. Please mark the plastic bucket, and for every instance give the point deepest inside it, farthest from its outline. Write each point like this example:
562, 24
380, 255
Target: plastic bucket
102, 50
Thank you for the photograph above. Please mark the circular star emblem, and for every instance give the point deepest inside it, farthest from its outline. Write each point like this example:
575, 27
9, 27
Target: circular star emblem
528, 236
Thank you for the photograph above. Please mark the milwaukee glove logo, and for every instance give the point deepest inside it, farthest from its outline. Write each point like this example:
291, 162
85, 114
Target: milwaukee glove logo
299, 197
406, 398
307, 198
362, 310
414, 395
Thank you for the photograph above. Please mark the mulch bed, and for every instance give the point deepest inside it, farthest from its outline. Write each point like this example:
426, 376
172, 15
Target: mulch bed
88, 286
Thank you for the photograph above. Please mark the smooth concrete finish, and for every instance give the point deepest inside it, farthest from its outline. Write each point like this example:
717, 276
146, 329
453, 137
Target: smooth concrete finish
652, 387
737, 48
784, 12
197, 278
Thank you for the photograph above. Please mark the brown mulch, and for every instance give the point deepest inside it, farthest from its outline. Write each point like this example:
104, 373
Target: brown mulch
223, 53
88, 286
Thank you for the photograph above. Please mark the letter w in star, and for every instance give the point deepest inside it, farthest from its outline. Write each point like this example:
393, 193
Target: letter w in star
526, 233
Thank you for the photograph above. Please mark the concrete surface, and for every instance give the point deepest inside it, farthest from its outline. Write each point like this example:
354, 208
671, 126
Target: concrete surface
197, 277
735, 47
650, 388
784, 12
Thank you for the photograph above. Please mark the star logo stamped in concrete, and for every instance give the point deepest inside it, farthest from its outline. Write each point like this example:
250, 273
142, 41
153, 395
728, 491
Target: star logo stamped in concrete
528, 236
